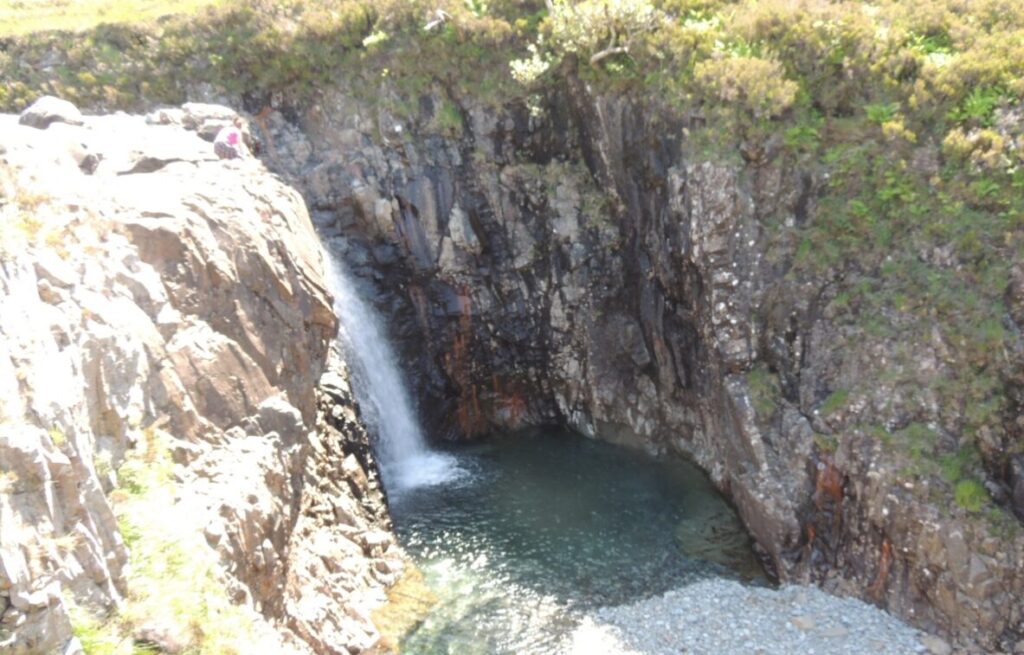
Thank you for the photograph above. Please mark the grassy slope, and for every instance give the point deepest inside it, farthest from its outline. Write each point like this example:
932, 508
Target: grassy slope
27, 16
175, 581
904, 106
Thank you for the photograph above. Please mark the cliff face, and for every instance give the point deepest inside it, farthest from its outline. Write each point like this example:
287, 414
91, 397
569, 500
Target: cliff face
591, 266
162, 307
794, 254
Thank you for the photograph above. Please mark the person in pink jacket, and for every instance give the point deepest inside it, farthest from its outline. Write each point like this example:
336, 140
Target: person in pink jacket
229, 143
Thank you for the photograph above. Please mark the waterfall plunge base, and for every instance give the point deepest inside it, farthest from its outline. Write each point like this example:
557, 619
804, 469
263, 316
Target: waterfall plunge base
406, 462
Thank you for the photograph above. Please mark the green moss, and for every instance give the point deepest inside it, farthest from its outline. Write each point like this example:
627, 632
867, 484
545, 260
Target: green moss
447, 118
971, 495
765, 392
836, 401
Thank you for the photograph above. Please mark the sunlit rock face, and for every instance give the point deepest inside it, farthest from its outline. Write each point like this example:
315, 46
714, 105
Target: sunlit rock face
146, 287
590, 266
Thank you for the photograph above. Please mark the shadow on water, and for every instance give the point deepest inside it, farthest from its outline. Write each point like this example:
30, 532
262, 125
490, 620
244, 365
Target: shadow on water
548, 524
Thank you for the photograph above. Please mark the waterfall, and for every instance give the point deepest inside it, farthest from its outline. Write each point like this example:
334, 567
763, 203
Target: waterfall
405, 459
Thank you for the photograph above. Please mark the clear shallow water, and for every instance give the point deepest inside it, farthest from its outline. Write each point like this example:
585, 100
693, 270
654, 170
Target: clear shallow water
544, 525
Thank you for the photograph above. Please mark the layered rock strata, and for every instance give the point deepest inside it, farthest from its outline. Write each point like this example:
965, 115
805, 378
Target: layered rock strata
148, 289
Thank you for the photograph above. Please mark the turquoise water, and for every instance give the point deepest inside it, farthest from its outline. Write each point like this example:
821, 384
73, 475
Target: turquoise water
544, 525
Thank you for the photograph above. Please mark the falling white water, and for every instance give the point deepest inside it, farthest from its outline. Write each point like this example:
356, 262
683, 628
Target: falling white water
405, 459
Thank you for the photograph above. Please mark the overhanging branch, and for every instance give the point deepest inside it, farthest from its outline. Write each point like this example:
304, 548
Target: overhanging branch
597, 57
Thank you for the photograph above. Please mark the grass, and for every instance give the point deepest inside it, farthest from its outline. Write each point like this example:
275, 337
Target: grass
835, 401
971, 495
447, 119
100, 633
765, 392
174, 578
19, 17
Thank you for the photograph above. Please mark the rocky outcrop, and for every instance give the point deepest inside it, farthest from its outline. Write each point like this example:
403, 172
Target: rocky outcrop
48, 110
343, 551
160, 292
589, 266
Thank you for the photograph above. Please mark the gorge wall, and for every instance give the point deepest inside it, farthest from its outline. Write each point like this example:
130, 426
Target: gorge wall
590, 265
784, 239
164, 324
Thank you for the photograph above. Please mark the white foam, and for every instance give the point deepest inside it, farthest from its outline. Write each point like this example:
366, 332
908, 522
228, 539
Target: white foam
423, 470
406, 460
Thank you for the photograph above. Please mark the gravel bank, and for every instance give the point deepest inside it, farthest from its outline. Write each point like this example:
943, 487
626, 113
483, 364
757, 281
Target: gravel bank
721, 617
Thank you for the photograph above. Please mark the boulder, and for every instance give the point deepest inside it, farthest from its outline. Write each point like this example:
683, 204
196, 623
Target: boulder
48, 110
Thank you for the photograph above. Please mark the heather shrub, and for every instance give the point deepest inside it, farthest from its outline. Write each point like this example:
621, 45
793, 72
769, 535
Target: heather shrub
746, 85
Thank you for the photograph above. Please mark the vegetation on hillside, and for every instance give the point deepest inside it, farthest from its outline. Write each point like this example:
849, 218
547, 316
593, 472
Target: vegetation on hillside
28, 16
176, 587
910, 111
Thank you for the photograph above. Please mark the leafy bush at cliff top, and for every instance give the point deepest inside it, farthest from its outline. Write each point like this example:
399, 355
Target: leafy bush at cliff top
936, 63
971, 495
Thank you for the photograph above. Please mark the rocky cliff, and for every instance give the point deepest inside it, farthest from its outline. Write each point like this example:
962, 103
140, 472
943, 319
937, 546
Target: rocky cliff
587, 264
781, 238
169, 475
